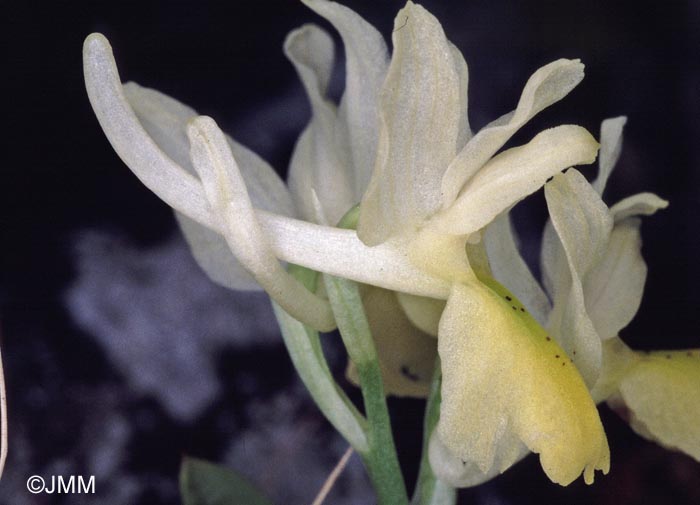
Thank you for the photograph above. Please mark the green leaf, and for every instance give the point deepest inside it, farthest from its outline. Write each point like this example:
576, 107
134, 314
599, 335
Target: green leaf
203, 483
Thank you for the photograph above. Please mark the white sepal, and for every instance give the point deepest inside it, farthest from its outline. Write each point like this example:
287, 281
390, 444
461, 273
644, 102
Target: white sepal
419, 128
547, 85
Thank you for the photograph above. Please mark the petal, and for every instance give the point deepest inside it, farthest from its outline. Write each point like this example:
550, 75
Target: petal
465, 133
498, 358
165, 120
214, 257
613, 289
419, 128
617, 360
583, 224
424, 313
367, 59
319, 162
406, 354
641, 204
556, 278
227, 194
509, 267
662, 393
459, 473
173, 184
514, 174
610, 148
549, 84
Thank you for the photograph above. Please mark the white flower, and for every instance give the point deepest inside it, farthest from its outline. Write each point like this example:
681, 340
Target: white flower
433, 186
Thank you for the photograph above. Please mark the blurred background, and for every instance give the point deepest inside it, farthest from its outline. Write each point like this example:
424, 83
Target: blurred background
121, 356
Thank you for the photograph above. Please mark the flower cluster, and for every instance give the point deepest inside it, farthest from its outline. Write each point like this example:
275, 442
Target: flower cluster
522, 365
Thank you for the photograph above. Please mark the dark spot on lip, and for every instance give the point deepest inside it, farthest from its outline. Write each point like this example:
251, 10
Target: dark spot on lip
563, 363
406, 372
668, 356
574, 353
522, 309
514, 307
548, 338
556, 356
688, 353
509, 298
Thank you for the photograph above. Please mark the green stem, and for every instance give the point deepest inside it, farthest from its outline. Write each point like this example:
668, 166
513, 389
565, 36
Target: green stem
371, 437
380, 459
304, 347
429, 489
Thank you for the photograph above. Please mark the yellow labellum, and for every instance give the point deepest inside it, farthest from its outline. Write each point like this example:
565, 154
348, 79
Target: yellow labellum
505, 380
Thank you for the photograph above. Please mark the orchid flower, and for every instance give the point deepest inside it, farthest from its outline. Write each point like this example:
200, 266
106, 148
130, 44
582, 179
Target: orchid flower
400, 143
595, 274
434, 187
660, 390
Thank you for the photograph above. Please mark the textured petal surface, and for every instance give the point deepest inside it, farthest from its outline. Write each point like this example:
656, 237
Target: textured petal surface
553, 265
226, 192
510, 269
423, 312
617, 360
366, 62
464, 134
613, 289
549, 84
406, 354
165, 119
610, 148
419, 128
641, 204
583, 225
320, 161
504, 379
213, 255
158, 172
459, 473
513, 175
662, 393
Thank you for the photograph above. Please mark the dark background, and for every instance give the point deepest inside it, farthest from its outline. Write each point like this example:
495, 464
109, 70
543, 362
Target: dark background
77, 227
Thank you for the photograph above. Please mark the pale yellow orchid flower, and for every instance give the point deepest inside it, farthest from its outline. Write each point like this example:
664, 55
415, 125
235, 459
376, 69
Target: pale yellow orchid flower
592, 255
434, 185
